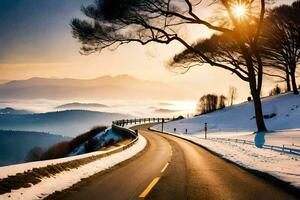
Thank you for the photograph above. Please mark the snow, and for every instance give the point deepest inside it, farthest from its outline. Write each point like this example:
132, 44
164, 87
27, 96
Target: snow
102, 139
240, 118
67, 178
238, 122
278, 138
20, 168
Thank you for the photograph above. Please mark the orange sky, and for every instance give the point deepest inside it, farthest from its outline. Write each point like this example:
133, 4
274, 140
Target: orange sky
54, 53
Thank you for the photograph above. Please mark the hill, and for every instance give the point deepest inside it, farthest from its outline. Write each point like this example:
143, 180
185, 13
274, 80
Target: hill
281, 112
13, 111
104, 87
3, 81
77, 105
15, 145
68, 123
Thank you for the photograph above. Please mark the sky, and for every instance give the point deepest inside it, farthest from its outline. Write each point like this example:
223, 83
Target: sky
36, 41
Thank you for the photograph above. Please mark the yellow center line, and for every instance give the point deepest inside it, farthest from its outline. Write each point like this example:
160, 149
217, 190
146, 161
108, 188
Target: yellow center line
150, 186
165, 167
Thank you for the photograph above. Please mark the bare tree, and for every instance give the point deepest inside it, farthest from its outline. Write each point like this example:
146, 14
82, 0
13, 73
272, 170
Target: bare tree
221, 102
223, 49
232, 94
209, 103
281, 43
275, 91
119, 22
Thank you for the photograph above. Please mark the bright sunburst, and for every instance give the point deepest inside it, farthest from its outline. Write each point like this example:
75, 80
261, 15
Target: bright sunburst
239, 11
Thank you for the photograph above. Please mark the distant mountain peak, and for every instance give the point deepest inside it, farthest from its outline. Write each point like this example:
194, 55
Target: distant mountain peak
125, 76
117, 77
36, 78
123, 86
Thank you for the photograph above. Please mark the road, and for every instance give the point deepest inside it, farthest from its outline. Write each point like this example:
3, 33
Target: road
174, 169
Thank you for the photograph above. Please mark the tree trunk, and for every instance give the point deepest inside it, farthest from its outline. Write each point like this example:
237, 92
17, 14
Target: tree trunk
255, 86
294, 84
288, 82
258, 111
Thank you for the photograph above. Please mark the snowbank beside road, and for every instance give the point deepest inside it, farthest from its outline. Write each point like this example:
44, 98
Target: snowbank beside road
67, 178
285, 167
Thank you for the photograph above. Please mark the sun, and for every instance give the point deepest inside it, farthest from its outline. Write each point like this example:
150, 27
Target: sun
239, 11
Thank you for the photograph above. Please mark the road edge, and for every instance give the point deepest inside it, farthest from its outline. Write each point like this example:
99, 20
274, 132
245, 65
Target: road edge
274, 180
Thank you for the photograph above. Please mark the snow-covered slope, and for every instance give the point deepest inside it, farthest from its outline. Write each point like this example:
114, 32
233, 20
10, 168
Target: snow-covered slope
100, 140
240, 117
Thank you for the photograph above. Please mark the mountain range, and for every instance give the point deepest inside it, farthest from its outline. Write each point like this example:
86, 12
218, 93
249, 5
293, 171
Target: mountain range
83, 106
105, 87
68, 123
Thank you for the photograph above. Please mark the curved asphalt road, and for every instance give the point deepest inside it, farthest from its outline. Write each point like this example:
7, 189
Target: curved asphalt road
174, 169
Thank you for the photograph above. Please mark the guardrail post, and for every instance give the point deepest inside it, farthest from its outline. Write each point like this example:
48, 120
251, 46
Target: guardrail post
205, 130
162, 125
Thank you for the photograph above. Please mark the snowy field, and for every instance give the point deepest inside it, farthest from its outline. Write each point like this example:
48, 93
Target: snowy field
66, 179
238, 122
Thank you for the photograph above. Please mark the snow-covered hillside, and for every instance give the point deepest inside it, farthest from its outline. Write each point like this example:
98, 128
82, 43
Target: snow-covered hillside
102, 139
240, 118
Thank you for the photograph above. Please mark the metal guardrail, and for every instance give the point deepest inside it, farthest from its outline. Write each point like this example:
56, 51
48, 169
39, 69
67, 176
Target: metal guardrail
294, 149
140, 121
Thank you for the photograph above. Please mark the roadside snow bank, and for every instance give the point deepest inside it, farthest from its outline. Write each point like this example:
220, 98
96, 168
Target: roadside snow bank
285, 167
279, 138
20, 168
67, 178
